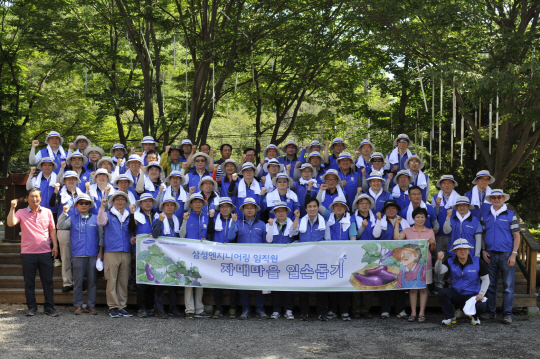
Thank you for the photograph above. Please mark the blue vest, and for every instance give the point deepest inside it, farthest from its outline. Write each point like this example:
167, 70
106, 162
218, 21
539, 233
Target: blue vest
329, 198
337, 233
432, 215
351, 186
368, 169
84, 177
477, 211
320, 173
145, 228
388, 234
70, 201
223, 235
250, 193
180, 212
424, 190
498, 236
197, 226
441, 217
379, 202
403, 200
97, 202
195, 178
58, 159
466, 230
281, 238
46, 193
367, 234
332, 162
465, 281
301, 191
84, 235
312, 233
290, 204
284, 160
117, 235
254, 232
173, 234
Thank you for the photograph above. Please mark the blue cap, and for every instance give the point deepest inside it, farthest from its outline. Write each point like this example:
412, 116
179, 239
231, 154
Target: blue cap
330, 172
85, 197
282, 175
376, 175
270, 146
122, 177
54, 134
148, 139
193, 197
134, 157
446, 177
118, 146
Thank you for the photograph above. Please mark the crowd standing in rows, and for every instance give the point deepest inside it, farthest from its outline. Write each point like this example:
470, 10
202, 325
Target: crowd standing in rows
89, 207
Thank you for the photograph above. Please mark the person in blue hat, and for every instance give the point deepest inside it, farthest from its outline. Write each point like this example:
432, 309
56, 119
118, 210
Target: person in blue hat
270, 152
144, 214
396, 159
94, 154
133, 170
460, 223
500, 246
80, 144
281, 230
351, 181
479, 192
400, 192
376, 191
314, 146
176, 190
250, 229
222, 229
270, 169
53, 150
148, 143
84, 236
101, 187
414, 165
281, 194
377, 162
469, 278
125, 184
363, 155
228, 168
415, 201
119, 153
305, 187
76, 163
208, 188
152, 182
329, 191
106, 163
315, 159
290, 159
196, 168
337, 146
186, 147
246, 187
45, 181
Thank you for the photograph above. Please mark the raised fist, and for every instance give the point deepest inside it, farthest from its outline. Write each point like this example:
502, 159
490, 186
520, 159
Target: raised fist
162, 216
212, 212
14, 203
398, 220
71, 145
193, 148
364, 223
438, 201
186, 216
87, 185
104, 202
244, 157
363, 170
440, 256
167, 148
108, 188
270, 222
310, 185
234, 176
343, 183
449, 212
262, 162
213, 153
56, 187
185, 165
326, 143
297, 213
263, 180
35, 143
191, 189
390, 176
132, 149
356, 154
234, 217
297, 164
132, 208
324, 187
162, 187
288, 168
32, 171
63, 164
93, 173
263, 191
66, 208
306, 147
379, 216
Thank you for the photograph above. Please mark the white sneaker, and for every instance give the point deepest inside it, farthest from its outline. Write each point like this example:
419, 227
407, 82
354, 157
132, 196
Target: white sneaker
475, 321
289, 315
449, 321
459, 313
403, 315
275, 315
57, 263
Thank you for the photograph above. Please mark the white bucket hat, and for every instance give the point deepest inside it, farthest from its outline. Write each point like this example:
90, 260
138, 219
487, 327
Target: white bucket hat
230, 160
498, 192
416, 158
54, 134
482, 174
200, 154
208, 179
364, 196
446, 177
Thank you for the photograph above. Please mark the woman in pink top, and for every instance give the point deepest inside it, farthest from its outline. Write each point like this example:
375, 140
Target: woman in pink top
418, 231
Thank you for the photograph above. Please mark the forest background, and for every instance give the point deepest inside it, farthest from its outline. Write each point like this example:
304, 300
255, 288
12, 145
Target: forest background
459, 77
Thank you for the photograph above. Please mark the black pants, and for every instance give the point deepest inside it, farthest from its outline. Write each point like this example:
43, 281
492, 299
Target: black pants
145, 296
448, 296
45, 264
218, 299
158, 297
341, 301
361, 302
132, 281
320, 297
282, 299
386, 300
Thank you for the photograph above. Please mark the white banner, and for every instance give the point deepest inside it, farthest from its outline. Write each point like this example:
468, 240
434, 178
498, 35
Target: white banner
313, 266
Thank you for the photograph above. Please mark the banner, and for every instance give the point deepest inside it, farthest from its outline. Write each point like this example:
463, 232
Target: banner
313, 266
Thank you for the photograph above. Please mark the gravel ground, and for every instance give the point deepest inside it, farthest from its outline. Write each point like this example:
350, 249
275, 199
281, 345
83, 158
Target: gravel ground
70, 336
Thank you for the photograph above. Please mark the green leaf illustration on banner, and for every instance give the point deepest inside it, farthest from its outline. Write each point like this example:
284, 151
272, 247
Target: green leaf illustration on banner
181, 264
169, 279
168, 261
144, 255
156, 261
155, 250
182, 281
196, 283
187, 281
142, 278
140, 265
158, 275
372, 253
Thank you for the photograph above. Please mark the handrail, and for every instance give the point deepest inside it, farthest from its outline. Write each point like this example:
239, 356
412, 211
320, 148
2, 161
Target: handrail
527, 254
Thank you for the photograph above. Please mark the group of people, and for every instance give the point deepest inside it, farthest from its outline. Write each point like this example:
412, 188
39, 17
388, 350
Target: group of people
88, 207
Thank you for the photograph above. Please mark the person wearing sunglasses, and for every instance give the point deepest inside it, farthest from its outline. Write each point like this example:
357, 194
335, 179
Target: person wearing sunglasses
399, 154
290, 158
500, 246
281, 194
376, 165
85, 235
197, 169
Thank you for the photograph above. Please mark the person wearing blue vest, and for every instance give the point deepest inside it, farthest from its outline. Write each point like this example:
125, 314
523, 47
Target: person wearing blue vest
396, 159
144, 216
85, 235
478, 194
119, 152
54, 150
249, 229
469, 277
400, 192
290, 159
270, 170
222, 229
363, 156
208, 188
67, 195
281, 230
443, 202
384, 231
311, 229
376, 191
314, 146
305, 186
80, 144
462, 224
195, 226
376, 164
363, 220
281, 193
270, 152
101, 181
117, 248
315, 159
148, 143
329, 191
500, 246
228, 167
176, 190
75, 163
152, 182
415, 201
351, 181
166, 224
45, 182
414, 165
94, 154
246, 187
196, 169
337, 146
125, 184
106, 163
338, 228
133, 170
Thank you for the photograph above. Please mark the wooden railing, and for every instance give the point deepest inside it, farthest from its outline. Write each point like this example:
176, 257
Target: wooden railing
527, 255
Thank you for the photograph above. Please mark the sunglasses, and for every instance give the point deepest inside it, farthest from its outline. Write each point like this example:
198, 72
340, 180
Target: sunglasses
402, 141
378, 160
496, 197
84, 203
